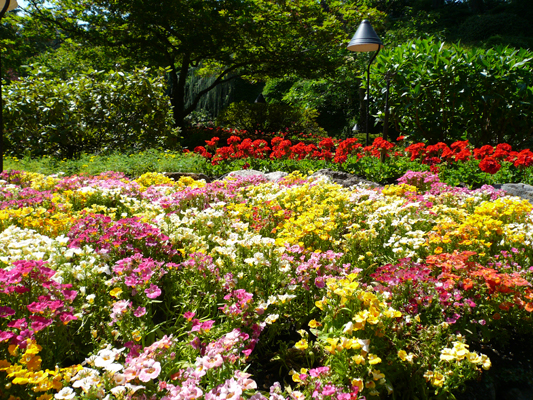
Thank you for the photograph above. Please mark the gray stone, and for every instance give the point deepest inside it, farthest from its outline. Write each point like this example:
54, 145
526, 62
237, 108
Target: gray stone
517, 189
177, 175
344, 178
276, 176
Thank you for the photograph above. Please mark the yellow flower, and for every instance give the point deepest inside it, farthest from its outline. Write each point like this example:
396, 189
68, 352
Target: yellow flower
358, 383
314, 323
359, 359
370, 385
437, 379
447, 355
115, 292
136, 335
334, 345
377, 375
402, 354
373, 359
301, 345
12, 348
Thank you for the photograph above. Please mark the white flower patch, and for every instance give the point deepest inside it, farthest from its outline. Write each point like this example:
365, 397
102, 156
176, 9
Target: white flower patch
26, 244
408, 244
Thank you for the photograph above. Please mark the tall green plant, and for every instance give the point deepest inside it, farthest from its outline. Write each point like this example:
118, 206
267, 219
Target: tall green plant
443, 92
92, 112
269, 118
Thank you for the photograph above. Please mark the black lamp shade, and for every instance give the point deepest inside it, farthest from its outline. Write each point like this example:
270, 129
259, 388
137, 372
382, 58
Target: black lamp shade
365, 39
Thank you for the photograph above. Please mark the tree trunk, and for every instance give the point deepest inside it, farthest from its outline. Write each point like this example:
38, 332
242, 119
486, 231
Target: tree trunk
178, 81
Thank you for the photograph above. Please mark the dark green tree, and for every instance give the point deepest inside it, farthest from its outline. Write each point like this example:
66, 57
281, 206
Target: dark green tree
220, 38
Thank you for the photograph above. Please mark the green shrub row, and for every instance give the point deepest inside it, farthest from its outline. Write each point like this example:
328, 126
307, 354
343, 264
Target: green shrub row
445, 93
93, 112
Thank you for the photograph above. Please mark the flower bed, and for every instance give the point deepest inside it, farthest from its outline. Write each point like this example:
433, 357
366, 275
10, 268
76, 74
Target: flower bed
457, 163
243, 288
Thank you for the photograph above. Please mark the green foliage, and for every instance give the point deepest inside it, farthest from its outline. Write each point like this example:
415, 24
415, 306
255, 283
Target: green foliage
336, 100
132, 165
215, 40
21, 38
446, 93
92, 112
70, 57
266, 117
482, 27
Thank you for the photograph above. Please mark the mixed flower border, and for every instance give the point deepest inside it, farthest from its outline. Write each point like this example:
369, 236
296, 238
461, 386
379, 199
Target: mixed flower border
248, 289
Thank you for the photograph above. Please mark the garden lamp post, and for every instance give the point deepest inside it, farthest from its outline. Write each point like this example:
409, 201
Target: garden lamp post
365, 40
5, 6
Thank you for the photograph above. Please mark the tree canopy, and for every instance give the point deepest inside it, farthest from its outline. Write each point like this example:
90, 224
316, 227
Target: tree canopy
222, 38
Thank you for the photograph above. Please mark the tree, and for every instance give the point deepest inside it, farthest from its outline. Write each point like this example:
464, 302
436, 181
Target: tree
21, 38
224, 38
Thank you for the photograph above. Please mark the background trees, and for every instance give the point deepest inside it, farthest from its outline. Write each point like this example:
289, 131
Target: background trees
220, 51
224, 39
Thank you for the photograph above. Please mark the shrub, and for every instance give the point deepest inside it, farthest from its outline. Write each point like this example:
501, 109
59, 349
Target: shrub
91, 112
269, 118
448, 93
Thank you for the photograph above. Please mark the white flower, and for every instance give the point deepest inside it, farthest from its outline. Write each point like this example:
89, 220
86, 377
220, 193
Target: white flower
65, 394
272, 318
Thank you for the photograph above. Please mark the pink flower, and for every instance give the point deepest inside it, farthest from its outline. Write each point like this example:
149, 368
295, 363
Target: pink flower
66, 317
210, 362
39, 323
150, 370
244, 380
18, 323
6, 312
70, 294
5, 336
189, 315
139, 312
153, 291
231, 390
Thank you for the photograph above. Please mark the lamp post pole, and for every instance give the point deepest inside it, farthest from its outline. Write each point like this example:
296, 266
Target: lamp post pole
5, 6
365, 40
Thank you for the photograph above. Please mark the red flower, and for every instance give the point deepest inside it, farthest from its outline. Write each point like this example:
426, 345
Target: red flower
490, 165
459, 145
326, 143
400, 138
416, 150
524, 159
202, 151
213, 142
435, 149
483, 152
233, 139
463, 155
504, 147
